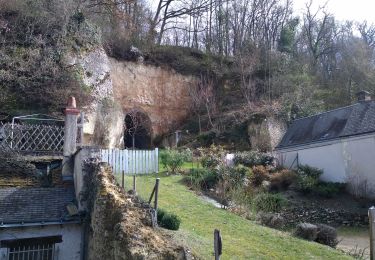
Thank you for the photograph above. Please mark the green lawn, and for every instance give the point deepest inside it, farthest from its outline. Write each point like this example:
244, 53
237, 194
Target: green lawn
242, 239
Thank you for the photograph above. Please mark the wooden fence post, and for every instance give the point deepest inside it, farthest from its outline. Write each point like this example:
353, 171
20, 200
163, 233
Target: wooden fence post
123, 179
134, 185
156, 193
218, 247
371, 217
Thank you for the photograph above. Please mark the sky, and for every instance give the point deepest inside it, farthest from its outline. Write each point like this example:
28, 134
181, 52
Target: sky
356, 10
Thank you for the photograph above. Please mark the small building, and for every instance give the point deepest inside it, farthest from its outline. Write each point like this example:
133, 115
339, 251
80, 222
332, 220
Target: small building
35, 223
340, 141
40, 215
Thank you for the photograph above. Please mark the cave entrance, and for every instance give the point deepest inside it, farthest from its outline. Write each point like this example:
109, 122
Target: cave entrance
137, 130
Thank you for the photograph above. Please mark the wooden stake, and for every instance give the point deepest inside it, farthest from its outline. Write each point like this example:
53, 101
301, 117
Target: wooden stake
218, 247
123, 180
371, 217
156, 193
134, 185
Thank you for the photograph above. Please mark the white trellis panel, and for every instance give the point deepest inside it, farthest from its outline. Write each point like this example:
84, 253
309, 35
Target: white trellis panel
32, 137
131, 161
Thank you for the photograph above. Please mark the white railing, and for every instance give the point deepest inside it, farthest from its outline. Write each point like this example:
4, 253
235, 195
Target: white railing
131, 161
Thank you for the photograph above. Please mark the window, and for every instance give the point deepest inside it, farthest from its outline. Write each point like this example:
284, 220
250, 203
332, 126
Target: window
41, 248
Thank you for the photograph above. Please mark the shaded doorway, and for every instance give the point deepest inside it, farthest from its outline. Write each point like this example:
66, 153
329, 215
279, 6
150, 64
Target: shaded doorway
137, 130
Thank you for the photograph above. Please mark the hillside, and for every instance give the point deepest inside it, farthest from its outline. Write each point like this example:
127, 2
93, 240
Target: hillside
50, 51
242, 239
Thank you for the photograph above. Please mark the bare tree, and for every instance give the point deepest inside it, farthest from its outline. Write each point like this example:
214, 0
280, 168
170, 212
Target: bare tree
132, 124
319, 33
367, 33
168, 10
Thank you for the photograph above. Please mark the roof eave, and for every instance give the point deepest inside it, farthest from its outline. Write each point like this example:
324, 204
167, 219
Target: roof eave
278, 148
38, 224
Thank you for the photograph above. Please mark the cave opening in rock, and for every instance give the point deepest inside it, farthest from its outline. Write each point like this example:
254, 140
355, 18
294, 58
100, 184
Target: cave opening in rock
137, 130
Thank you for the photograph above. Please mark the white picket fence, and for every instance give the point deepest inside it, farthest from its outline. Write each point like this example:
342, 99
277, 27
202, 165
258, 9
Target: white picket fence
132, 161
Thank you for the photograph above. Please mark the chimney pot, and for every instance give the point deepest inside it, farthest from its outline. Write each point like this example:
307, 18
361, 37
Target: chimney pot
72, 102
363, 96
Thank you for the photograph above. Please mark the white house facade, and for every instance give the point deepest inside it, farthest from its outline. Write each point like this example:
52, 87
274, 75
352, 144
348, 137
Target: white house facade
341, 142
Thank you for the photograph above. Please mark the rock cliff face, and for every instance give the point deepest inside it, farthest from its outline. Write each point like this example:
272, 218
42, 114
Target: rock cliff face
265, 133
162, 94
121, 87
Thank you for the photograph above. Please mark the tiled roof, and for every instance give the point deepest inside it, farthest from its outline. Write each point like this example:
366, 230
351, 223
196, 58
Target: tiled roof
348, 121
27, 204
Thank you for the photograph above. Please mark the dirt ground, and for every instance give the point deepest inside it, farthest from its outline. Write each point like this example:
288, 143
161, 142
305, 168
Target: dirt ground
355, 241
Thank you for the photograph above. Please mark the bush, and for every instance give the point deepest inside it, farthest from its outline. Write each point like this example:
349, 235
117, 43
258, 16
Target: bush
271, 220
268, 202
253, 158
282, 180
308, 177
238, 175
329, 189
160, 214
320, 233
327, 235
306, 231
170, 221
212, 157
259, 175
203, 178
173, 160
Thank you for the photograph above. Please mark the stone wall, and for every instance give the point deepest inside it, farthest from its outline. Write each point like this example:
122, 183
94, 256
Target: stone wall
120, 224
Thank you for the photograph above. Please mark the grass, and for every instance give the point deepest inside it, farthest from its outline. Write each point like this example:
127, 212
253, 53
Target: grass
353, 231
242, 239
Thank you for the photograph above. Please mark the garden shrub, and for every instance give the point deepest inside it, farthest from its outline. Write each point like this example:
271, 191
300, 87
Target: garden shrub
170, 221
253, 158
329, 189
308, 177
281, 180
259, 175
160, 214
237, 175
306, 231
212, 157
271, 220
203, 178
210, 161
327, 235
319, 233
173, 160
268, 202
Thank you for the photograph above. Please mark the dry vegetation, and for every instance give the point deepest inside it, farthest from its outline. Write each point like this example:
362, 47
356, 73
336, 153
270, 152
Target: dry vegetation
121, 224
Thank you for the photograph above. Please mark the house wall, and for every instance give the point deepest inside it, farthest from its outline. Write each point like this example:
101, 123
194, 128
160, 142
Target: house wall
69, 249
349, 160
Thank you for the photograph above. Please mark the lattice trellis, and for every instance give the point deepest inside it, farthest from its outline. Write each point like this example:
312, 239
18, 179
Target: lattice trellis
32, 138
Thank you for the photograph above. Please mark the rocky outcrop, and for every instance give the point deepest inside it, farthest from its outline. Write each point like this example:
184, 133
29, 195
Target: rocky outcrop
265, 133
120, 224
103, 118
122, 87
162, 94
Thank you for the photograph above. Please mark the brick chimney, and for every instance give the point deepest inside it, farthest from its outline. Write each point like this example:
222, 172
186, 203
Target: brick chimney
363, 96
